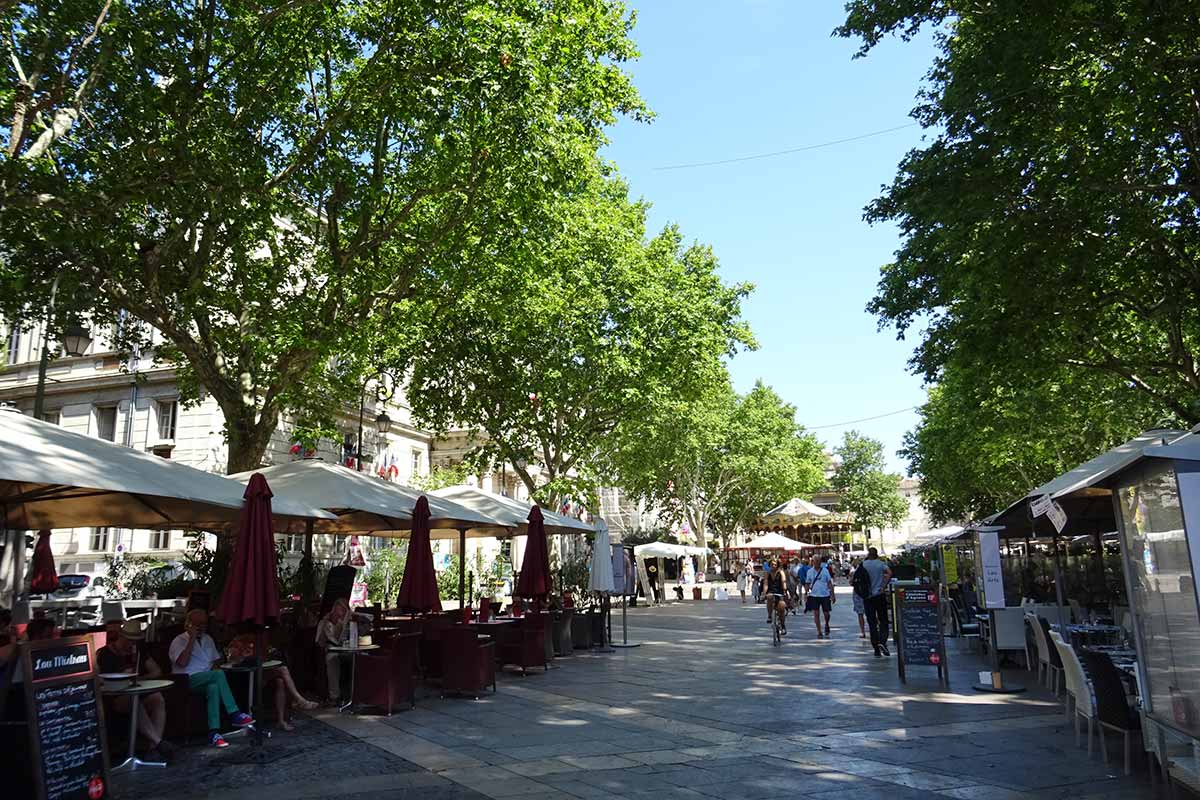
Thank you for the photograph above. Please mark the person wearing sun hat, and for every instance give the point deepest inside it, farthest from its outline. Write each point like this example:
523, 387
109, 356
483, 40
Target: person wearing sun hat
119, 655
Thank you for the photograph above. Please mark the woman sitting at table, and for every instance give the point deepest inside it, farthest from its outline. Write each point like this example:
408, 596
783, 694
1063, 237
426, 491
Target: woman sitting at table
276, 679
332, 631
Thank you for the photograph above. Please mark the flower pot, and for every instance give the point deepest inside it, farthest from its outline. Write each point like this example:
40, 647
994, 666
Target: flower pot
563, 645
581, 629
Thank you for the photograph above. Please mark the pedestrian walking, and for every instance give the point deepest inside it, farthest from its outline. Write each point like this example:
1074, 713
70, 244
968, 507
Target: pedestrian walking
860, 583
876, 601
820, 594
743, 577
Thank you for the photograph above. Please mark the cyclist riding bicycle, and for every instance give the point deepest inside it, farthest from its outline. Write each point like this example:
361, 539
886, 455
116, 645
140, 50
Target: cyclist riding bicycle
777, 595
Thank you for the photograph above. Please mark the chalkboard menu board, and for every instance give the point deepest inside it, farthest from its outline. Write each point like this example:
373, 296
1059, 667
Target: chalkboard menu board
66, 720
920, 626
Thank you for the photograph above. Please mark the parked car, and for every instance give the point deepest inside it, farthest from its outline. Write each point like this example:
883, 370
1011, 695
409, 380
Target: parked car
79, 587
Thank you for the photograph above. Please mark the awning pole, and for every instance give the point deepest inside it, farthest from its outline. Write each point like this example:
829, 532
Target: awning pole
1063, 630
462, 566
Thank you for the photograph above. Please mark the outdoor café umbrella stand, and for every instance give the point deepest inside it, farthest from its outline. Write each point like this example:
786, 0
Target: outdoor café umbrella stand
624, 578
624, 628
252, 596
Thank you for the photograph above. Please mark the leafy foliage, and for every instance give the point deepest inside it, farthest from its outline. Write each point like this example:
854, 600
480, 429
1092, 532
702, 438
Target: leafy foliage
718, 462
564, 336
442, 477
1050, 222
386, 570
447, 579
979, 445
270, 187
868, 491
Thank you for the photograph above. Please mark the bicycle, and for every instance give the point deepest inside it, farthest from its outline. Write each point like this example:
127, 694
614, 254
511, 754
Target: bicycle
777, 627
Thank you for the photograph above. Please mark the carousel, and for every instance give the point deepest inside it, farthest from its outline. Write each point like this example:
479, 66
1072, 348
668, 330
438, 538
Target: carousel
806, 523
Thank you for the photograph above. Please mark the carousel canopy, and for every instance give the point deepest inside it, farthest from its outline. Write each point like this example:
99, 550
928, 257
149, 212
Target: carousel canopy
798, 513
797, 507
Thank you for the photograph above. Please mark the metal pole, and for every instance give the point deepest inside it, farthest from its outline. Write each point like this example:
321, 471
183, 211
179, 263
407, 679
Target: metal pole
39, 396
1063, 630
362, 403
462, 566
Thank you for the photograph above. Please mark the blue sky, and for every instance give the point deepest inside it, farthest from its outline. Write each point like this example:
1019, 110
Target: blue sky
733, 78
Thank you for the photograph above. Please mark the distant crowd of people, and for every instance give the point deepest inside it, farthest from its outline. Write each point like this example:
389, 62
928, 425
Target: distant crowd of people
786, 584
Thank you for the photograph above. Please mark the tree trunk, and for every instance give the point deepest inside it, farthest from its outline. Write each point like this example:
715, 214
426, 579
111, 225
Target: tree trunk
248, 433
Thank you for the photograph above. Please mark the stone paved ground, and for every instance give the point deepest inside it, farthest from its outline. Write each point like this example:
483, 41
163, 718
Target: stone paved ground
705, 708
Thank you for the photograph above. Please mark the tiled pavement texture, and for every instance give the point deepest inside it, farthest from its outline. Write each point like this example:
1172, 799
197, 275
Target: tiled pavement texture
706, 707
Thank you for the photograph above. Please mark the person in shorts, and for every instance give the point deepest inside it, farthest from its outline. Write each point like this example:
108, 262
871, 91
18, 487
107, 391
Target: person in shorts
820, 595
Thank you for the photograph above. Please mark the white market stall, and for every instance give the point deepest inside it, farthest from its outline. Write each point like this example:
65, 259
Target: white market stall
660, 552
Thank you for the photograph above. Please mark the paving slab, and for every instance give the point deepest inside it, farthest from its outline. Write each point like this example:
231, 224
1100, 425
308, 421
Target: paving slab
705, 708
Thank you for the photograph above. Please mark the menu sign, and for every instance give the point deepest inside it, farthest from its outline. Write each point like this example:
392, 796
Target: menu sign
66, 720
919, 624
993, 575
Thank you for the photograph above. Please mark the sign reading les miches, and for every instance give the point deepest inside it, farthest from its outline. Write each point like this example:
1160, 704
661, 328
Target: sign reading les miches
65, 720
64, 661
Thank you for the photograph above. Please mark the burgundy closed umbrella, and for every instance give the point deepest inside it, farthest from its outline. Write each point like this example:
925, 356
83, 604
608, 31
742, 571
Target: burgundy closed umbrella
418, 588
534, 581
252, 592
45, 578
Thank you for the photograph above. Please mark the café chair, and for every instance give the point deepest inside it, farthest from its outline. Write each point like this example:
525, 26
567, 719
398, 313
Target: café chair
389, 675
1079, 690
1049, 666
469, 661
1112, 706
964, 628
525, 647
430, 651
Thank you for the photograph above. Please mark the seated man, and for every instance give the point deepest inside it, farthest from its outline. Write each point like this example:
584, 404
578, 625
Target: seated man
193, 653
119, 654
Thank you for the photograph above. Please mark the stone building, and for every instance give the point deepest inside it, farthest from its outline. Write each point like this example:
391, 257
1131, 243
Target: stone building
136, 402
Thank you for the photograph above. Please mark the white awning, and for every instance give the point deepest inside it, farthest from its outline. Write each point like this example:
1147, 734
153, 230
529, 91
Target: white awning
668, 550
54, 478
364, 502
509, 512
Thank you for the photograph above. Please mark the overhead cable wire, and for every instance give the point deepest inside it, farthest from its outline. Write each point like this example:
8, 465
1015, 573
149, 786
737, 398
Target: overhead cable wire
789, 151
864, 419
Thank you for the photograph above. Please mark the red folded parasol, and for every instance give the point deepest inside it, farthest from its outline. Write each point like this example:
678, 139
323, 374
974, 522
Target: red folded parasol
252, 591
45, 579
418, 587
534, 580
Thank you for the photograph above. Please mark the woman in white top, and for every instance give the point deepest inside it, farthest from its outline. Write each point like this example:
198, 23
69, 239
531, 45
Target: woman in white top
743, 577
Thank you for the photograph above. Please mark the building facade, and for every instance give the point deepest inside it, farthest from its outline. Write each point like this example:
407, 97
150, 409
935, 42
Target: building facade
136, 402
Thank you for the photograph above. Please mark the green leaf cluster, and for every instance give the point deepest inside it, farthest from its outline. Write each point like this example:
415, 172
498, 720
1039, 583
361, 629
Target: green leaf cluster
558, 342
717, 462
1051, 246
867, 489
261, 184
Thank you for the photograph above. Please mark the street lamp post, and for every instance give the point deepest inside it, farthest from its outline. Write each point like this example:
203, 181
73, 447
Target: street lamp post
383, 424
75, 342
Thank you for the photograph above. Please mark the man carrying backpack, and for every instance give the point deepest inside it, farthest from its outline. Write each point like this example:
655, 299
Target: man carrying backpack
860, 583
876, 601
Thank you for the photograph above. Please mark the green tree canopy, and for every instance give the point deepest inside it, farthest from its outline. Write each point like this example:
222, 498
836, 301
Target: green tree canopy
979, 445
260, 184
868, 490
560, 340
718, 462
1050, 222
